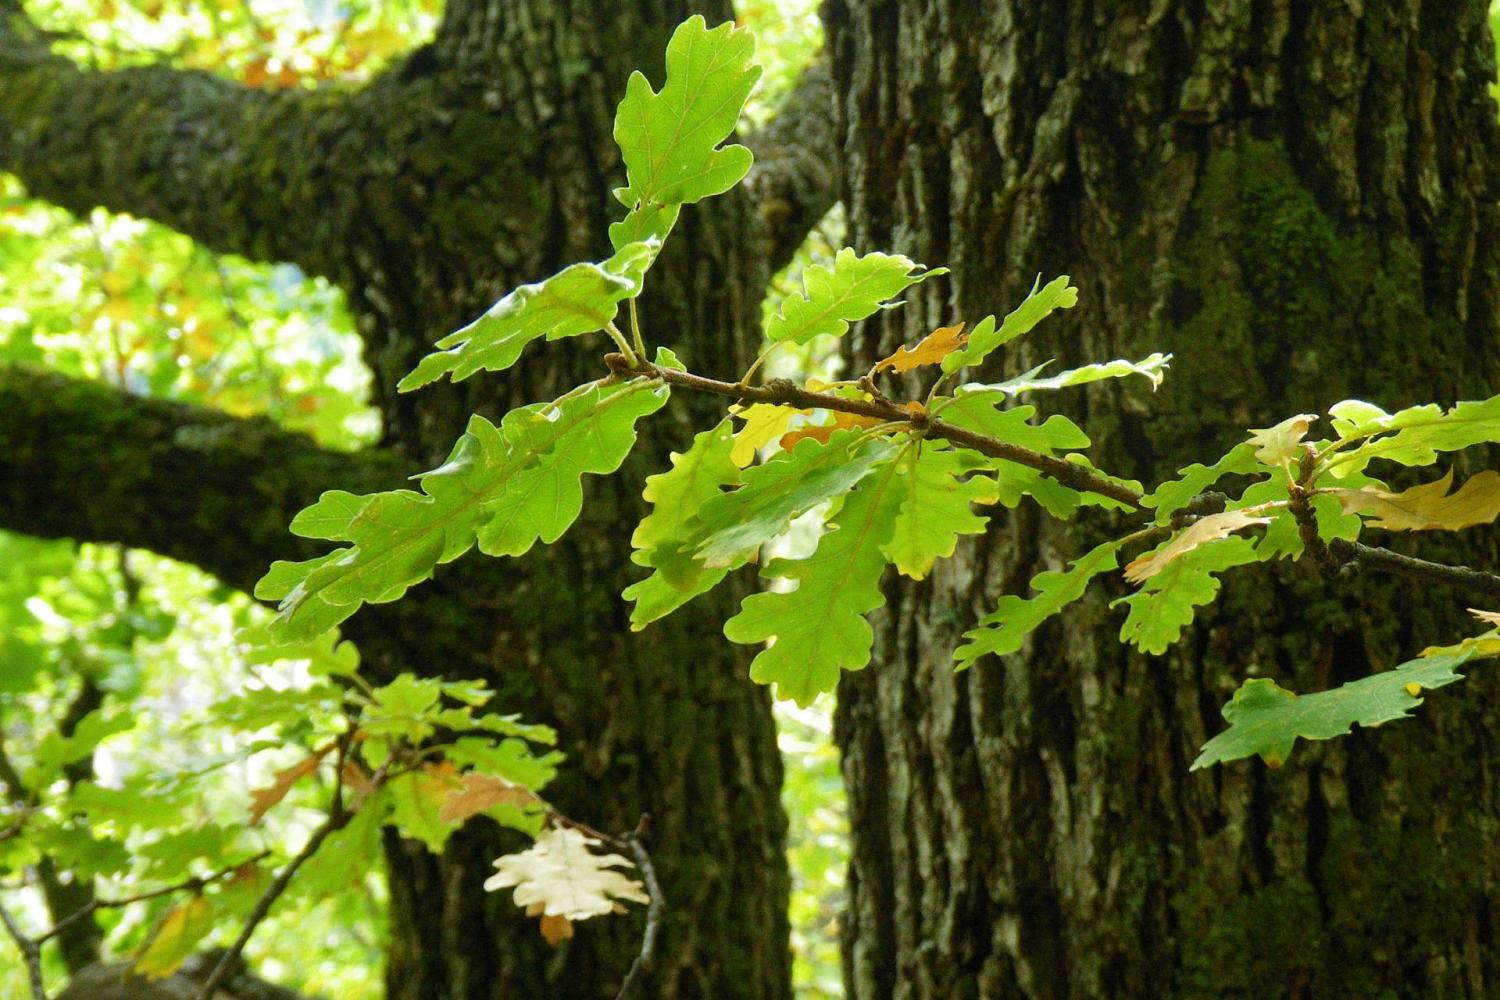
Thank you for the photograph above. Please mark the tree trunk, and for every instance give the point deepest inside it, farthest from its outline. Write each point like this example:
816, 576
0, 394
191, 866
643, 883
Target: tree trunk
665, 723
485, 160
1299, 201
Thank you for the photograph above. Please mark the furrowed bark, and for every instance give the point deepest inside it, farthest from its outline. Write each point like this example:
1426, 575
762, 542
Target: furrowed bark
1299, 202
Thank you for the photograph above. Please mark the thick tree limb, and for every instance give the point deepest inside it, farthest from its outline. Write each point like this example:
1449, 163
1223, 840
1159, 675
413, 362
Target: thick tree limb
167, 144
795, 179
82, 460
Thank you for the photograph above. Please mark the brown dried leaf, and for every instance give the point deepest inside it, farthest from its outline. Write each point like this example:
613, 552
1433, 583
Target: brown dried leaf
1200, 532
822, 432
556, 929
930, 350
1428, 507
262, 799
479, 792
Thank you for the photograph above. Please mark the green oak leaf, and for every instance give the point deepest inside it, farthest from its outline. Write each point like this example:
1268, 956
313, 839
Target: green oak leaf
1152, 368
1416, 434
581, 298
1018, 481
1003, 630
503, 487
732, 526
696, 476
985, 338
1175, 494
1161, 609
820, 628
936, 507
985, 413
851, 289
511, 759
1267, 719
670, 141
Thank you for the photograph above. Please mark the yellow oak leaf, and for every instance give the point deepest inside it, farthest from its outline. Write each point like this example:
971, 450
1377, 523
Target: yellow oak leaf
1488, 617
1200, 532
930, 350
764, 423
1428, 507
176, 938
1282, 444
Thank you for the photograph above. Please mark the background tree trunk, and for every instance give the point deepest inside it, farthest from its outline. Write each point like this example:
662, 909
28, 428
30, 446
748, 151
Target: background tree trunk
1299, 200
483, 161
665, 723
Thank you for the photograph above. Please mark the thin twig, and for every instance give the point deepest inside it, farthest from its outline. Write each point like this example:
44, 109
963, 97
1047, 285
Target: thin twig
1386, 561
645, 961
784, 392
191, 884
338, 818
31, 953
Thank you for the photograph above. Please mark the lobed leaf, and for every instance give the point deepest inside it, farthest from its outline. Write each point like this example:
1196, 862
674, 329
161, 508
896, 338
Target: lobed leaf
1201, 532
1267, 719
1039, 304
670, 140
1417, 434
1152, 368
1161, 609
561, 875
1173, 495
930, 350
1281, 444
733, 526
764, 423
1002, 631
696, 476
849, 290
503, 488
1428, 506
986, 413
936, 507
819, 628
581, 298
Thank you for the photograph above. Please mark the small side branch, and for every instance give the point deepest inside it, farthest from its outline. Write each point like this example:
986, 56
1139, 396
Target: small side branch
1385, 561
784, 392
338, 818
31, 954
187, 885
645, 961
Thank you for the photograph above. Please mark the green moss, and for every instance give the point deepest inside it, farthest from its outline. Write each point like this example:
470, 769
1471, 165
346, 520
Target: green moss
1277, 308
1231, 943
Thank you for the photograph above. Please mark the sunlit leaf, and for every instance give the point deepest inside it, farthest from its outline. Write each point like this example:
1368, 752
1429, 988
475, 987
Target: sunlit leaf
985, 338
1428, 506
1267, 719
819, 628
846, 291
578, 299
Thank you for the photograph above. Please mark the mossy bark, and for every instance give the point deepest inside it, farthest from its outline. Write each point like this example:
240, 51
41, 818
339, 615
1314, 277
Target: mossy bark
1299, 201
484, 161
